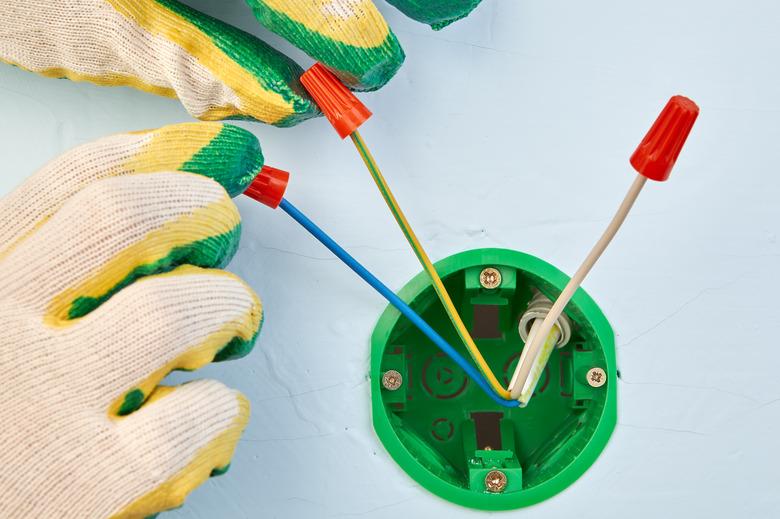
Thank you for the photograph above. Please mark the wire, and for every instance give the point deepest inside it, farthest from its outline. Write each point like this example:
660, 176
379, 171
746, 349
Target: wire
539, 362
396, 301
438, 286
523, 369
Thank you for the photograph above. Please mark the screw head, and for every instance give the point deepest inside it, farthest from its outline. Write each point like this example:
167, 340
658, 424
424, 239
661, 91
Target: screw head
495, 481
596, 377
490, 278
392, 380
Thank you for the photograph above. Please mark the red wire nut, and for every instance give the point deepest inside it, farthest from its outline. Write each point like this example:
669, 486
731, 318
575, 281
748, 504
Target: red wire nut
656, 155
269, 186
344, 111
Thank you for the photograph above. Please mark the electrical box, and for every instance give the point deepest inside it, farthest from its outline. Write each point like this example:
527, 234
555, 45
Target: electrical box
446, 433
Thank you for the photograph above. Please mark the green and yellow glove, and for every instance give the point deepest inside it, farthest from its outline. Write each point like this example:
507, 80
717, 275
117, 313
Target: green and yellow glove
216, 70
110, 278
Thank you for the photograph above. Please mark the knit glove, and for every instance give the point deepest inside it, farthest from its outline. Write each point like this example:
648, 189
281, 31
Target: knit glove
216, 70
109, 280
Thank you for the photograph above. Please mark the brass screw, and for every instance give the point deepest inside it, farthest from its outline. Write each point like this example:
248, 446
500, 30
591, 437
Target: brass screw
392, 380
597, 377
490, 278
495, 481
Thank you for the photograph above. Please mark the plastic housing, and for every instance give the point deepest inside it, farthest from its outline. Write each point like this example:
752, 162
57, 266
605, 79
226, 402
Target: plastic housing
446, 433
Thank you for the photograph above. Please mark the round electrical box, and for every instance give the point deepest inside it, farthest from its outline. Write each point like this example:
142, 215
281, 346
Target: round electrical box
452, 438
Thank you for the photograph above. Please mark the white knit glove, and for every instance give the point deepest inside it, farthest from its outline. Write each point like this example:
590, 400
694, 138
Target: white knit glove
217, 71
95, 310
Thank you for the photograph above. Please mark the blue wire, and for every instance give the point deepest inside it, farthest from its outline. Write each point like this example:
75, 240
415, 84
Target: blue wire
396, 301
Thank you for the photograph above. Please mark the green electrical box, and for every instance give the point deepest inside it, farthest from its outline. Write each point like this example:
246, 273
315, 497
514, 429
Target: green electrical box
446, 433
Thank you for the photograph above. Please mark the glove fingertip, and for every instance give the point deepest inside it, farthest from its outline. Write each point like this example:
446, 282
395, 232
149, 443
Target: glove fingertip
349, 36
233, 158
436, 13
378, 66
218, 417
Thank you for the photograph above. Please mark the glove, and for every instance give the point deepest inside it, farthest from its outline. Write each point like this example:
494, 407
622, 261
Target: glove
108, 283
216, 70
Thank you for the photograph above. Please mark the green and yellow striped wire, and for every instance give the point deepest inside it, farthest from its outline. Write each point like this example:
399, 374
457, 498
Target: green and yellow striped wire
438, 286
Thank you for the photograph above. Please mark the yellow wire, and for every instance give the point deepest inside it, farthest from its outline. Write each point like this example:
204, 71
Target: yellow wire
438, 286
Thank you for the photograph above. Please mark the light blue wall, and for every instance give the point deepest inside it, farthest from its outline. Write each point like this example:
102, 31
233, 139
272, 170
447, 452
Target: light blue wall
511, 129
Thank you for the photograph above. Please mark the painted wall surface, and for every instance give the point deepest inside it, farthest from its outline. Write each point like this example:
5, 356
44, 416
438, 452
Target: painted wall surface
510, 129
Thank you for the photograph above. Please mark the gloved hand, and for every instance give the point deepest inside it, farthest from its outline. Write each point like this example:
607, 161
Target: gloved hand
109, 281
216, 70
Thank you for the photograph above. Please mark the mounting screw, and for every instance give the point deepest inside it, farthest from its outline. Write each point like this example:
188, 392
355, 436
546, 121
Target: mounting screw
392, 380
490, 278
597, 377
495, 481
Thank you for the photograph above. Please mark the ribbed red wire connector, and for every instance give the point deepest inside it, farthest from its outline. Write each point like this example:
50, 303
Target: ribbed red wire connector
269, 186
656, 155
344, 111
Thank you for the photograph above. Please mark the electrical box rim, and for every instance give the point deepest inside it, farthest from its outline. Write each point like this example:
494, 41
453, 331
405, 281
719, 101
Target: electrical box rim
486, 500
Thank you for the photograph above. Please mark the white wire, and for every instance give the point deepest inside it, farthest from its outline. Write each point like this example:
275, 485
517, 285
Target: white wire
523, 369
